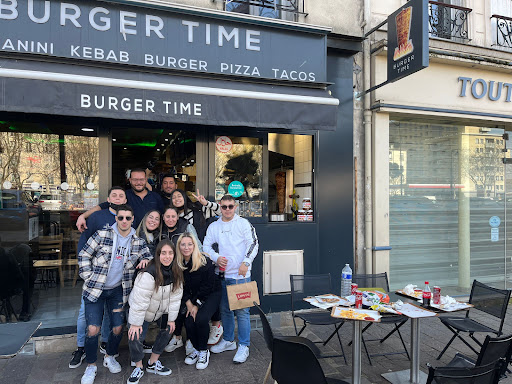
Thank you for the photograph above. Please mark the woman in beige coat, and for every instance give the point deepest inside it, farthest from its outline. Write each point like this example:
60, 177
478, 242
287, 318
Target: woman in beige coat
157, 291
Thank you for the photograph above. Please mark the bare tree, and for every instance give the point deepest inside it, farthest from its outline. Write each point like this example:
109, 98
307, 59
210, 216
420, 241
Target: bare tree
82, 160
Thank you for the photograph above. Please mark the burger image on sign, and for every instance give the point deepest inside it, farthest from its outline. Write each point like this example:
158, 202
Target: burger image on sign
223, 144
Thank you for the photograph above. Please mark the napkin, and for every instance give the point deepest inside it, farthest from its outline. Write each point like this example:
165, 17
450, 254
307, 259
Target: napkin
409, 289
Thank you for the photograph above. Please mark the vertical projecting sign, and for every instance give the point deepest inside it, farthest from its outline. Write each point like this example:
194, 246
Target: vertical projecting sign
408, 39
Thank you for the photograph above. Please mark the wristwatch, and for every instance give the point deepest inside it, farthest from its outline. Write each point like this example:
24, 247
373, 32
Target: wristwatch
247, 264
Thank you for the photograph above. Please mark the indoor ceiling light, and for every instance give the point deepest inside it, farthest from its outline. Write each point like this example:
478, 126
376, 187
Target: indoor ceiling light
85, 129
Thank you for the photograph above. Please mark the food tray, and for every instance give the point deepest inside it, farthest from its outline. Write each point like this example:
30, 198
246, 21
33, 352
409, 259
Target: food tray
327, 301
458, 306
417, 296
356, 314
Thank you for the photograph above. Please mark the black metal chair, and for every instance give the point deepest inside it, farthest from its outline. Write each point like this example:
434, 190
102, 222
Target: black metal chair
268, 335
492, 301
313, 285
380, 280
493, 348
485, 374
294, 362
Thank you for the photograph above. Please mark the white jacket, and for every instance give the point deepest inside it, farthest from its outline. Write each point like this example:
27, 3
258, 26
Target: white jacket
146, 304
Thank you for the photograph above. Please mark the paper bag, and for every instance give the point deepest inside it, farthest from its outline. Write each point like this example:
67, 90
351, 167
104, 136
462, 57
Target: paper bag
242, 295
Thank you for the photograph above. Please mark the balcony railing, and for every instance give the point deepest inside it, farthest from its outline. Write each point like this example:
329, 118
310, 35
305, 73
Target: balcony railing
503, 30
448, 21
276, 9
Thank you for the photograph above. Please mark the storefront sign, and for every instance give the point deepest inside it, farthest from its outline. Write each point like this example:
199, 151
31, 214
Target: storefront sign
115, 33
408, 40
223, 144
479, 88
236, 189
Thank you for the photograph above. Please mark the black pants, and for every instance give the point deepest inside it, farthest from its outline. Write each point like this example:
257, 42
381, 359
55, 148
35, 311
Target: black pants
162, 339
199, 330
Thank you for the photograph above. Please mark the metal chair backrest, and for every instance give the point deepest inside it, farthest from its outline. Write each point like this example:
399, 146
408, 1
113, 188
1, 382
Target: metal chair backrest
375, 280
268, 335
294, 362
492, 301
495, 348
485, 374
308, 285
51, 246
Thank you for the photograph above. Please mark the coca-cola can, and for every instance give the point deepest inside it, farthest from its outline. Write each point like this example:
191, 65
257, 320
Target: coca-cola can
436, 298
353, 288
359, 299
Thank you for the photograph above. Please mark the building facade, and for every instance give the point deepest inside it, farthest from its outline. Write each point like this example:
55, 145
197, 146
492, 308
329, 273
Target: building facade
228, 96
440, 145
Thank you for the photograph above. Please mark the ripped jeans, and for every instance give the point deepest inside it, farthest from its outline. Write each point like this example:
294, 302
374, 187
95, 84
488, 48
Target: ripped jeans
112, 299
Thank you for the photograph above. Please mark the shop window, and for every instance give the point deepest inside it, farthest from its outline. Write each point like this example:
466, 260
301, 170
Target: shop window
290, 177
239, 172
48, 173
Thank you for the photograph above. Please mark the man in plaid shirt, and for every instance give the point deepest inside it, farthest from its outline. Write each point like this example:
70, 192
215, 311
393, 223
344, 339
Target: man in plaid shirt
107, 264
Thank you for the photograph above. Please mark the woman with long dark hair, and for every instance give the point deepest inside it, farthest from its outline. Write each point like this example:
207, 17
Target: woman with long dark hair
156, 291
173, 226
189, 212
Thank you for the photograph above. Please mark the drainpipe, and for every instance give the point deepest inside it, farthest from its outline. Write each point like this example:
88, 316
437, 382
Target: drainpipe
367, 122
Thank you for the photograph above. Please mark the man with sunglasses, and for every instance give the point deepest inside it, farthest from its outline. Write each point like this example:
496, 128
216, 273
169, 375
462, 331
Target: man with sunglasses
107, 265
238, 246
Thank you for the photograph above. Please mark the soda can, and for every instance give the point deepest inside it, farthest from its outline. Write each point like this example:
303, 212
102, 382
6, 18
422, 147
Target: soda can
359, 300
436, 299
353, 288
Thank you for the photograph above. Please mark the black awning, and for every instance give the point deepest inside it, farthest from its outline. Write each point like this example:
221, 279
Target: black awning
55, 88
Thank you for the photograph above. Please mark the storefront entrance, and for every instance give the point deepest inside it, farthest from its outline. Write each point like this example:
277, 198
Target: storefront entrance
450, 205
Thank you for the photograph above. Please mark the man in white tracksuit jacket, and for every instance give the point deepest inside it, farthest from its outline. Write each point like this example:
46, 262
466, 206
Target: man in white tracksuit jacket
238, 246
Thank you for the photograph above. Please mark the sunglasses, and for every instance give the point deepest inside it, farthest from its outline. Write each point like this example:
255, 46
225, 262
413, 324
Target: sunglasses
121, 218
230, 206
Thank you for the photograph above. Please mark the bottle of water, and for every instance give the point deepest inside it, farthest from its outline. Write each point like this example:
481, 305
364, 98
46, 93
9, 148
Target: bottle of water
346, 280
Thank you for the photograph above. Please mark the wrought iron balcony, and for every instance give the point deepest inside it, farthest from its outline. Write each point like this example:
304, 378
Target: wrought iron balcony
448, 21
503, 30
276, 9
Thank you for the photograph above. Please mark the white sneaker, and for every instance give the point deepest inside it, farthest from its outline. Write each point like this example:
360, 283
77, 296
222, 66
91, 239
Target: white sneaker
192, 358
158, 368
203, 360
215, 334
189, 348
89, 374
173, 344
242, 354
222, 346
111, 363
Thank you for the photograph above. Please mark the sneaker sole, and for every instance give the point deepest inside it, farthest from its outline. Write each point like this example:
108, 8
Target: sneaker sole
79, 364
111, 371
158, 372
203, 367
216, 340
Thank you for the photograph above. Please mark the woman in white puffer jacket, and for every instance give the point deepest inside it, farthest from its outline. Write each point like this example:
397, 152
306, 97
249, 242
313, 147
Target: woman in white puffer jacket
157, 291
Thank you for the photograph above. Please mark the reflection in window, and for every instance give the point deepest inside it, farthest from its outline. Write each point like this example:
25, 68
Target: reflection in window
239, 160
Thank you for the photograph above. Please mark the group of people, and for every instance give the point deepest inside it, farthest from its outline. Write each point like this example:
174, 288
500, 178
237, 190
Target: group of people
151, 257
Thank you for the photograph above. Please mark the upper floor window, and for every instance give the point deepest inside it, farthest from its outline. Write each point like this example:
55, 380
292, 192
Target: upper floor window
275, 9
448, 19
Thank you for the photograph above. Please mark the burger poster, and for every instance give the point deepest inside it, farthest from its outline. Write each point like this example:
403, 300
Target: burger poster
408, 39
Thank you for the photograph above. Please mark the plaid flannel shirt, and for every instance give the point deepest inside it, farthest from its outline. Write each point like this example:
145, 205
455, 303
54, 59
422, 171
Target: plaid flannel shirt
94, 263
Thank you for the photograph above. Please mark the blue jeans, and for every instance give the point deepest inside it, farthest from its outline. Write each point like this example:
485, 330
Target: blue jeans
113, 300
228, 316
81, 326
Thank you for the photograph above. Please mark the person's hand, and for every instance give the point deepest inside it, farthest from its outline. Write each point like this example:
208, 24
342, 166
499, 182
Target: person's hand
134, 332
222, 261
243, 269
172, 327
200, 198
81, 223
191, 310
143, 264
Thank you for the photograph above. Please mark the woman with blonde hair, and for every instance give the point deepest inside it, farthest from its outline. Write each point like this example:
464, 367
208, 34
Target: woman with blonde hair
150, 229
201, 297
157, 292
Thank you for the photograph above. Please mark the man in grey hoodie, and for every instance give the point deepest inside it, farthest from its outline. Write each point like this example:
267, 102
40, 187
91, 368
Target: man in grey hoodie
107, 264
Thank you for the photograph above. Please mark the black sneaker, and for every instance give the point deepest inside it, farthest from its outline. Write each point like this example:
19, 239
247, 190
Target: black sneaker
135, 376
158, 368
148, 348
103, 347
78, 357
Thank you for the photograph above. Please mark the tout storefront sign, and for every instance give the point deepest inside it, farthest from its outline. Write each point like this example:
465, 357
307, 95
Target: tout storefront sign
134, 35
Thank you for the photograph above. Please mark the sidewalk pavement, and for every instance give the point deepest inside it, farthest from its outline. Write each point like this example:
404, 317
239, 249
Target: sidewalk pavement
53, 367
